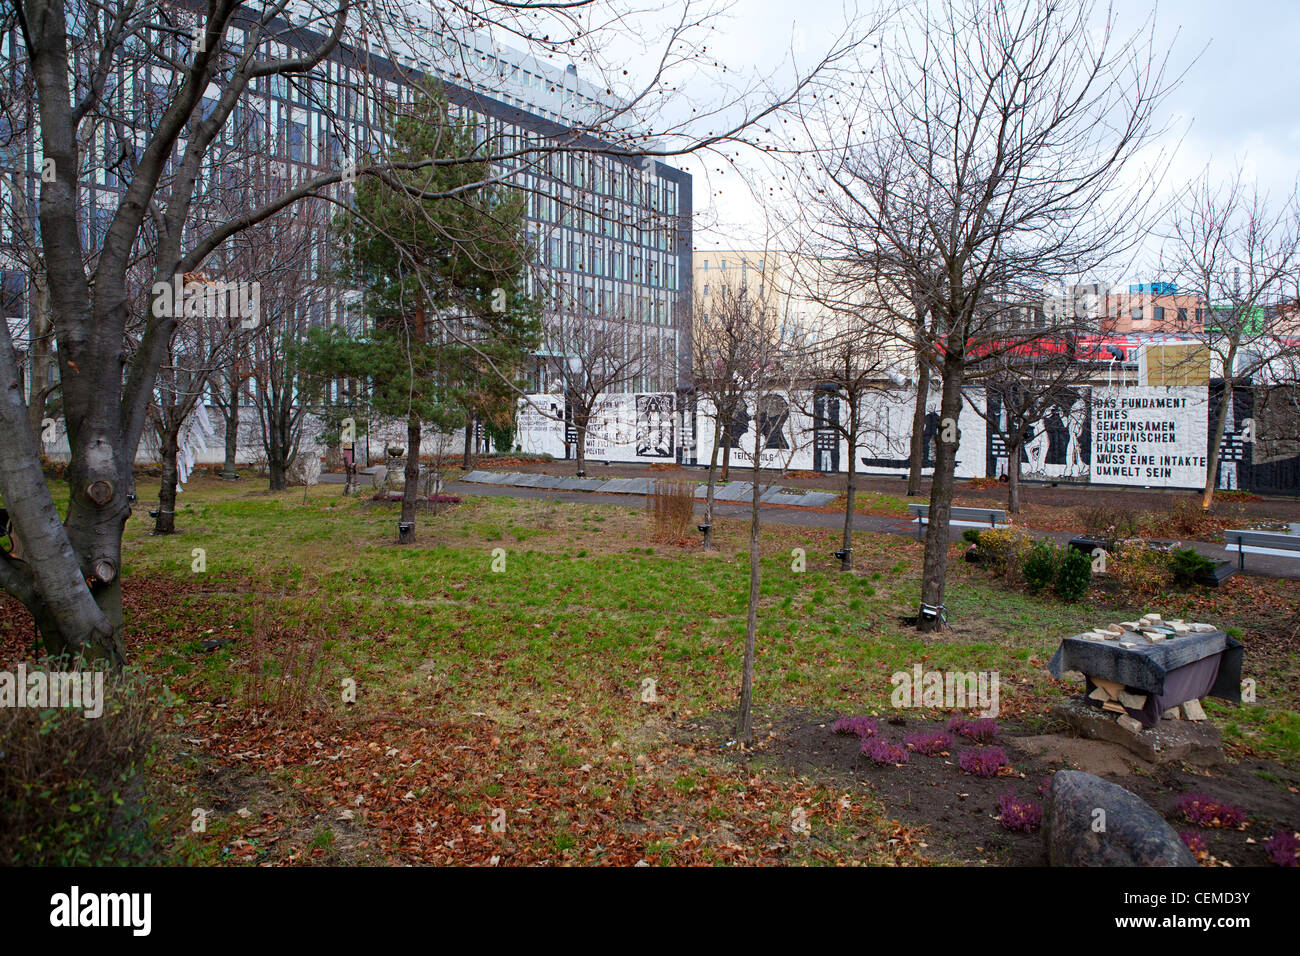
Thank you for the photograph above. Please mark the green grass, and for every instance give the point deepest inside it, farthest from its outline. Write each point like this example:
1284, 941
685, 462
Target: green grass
579, 612
550, 619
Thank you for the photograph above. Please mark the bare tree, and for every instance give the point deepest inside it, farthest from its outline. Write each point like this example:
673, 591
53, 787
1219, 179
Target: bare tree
843, 373
999, 134
39, 332
771, 365
1041, 378
216, 318
724, 335
1240, 256
592, 354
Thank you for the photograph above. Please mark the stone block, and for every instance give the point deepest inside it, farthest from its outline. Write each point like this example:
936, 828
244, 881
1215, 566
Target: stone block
1167, 742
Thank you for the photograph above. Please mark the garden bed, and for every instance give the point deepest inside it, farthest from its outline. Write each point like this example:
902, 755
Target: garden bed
959, 810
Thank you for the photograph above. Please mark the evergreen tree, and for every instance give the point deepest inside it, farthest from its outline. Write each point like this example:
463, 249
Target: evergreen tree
443, 286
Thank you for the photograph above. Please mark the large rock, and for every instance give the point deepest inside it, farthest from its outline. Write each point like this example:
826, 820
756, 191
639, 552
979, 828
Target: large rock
1129, 834
304, 470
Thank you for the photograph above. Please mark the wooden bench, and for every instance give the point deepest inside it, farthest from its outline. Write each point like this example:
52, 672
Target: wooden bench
1261, 542
966, 517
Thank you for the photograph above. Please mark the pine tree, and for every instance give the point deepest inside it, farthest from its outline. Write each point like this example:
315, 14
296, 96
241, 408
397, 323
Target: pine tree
443, 285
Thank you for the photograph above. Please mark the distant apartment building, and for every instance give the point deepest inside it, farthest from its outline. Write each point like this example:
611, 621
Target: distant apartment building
1146, 308
767, 277
1155, 307
800, 294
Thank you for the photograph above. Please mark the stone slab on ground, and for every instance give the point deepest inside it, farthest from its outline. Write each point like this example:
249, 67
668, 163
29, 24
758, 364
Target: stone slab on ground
581, 484
1169, 741
478, 477
305, 470
615, 486
734, 491
815, 499
777, 495
495, 477
638, 486
548, 481
1134, 834
529, 481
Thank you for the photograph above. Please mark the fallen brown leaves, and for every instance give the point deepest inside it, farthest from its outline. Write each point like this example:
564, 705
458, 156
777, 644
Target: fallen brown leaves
402, 790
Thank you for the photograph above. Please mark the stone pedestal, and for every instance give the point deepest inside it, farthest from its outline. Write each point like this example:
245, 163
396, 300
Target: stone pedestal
1170, 741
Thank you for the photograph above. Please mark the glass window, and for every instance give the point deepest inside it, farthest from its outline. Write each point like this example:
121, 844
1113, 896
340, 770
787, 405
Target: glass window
297, 142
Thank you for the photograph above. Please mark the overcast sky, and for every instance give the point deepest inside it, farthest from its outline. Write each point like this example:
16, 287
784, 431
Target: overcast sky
1239, 100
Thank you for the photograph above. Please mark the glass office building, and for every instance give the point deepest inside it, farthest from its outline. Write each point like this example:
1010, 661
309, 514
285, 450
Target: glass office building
613, 230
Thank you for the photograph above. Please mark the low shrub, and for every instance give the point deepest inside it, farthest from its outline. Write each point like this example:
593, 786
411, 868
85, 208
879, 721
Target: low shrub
971, 536
881, 752
1284, 848
1187, 565
1073, 575
983, 762
1024, 816
1110, 522
1207, 812
981, 730
1194, 842
72, 788
1236, 495
930, 743
1187, 519
1140, 569
862, 726
672, 505
1040, 566
1003, 550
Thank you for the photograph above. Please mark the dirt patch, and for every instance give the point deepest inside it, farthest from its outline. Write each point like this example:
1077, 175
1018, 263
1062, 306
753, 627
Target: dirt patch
959, 811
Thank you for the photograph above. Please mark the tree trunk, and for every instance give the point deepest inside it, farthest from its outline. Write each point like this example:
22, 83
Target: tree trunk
468, 462
581, 454
935, 565
916, 455
165, 523
1013, 478
1220, 426
406, 527
708, 498
40, 352
745, 723
846, 562
42, 361
231, 414
726, 461
68, 575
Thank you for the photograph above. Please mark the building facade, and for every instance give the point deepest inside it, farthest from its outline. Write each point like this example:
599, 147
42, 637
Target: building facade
612, 229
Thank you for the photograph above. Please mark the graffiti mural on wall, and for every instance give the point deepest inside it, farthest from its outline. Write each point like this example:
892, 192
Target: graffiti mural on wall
1260, 450
885, 444
1136, 436
826, 437
654, 426
1057, 447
